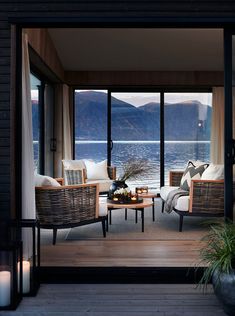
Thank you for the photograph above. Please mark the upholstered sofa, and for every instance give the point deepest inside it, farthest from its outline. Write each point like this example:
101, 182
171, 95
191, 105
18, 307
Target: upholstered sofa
205, 197
92, 172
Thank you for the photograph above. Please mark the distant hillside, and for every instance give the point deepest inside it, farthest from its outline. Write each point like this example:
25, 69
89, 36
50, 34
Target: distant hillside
183, 121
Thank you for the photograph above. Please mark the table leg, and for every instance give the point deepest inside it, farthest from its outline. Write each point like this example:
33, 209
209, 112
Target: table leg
136, 216
107, 224
153, 209
125, 213
110, 217
142, 216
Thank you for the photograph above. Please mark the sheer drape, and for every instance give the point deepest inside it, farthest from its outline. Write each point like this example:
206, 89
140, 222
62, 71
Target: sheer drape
63, 133
67, 136
28, 192
217, 126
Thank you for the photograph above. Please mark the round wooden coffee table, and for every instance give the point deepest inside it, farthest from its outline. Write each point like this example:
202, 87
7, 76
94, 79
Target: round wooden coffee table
150, 195
138, 207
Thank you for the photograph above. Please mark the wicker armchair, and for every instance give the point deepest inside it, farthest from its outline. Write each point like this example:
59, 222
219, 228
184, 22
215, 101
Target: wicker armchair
206, 197
68, 206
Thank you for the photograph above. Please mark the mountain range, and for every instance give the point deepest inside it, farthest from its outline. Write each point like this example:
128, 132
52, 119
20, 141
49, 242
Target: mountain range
189, 120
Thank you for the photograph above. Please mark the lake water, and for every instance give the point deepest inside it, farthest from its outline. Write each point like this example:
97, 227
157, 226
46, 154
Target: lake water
176, 155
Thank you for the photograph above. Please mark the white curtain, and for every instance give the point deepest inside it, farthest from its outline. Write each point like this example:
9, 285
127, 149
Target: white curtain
67, 135
217, 126
62, 130
28, 191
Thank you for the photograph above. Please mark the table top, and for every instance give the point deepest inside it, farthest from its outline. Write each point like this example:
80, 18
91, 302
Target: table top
143, 204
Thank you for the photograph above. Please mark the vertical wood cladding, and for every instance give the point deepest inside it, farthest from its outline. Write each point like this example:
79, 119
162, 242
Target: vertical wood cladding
92, 9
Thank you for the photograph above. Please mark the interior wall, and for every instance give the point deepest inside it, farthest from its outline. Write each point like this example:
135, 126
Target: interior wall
144, 78
40, 41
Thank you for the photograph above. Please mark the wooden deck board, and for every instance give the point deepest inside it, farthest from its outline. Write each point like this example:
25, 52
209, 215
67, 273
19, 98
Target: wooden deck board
124, 253
119, 300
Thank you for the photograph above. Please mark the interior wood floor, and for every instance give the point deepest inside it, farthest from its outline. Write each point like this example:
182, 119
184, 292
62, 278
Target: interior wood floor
119, 300
124, 253
119, 253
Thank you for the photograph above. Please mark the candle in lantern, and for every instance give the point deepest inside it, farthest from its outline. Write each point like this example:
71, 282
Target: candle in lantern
115, 199
133, 198
26, 276
5, 288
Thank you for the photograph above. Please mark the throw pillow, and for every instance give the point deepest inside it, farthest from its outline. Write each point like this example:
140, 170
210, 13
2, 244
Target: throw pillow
213, 172
96, 171
73, 164
73, 177
192, 172
41, 181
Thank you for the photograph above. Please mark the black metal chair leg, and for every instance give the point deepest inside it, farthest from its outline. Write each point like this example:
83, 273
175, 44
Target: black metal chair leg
181, 222
153, 209
54, 235
136, 216
163, 206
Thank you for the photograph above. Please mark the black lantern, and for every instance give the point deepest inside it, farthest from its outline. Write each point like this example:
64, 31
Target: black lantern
28, 231
30, 278
11, 273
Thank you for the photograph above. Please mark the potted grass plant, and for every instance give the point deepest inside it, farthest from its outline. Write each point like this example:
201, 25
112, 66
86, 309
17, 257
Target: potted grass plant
218, 254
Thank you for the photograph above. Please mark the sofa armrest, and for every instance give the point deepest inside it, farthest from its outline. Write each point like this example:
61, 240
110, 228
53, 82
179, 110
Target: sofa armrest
207, 196
60, 180
112, 172
175, 177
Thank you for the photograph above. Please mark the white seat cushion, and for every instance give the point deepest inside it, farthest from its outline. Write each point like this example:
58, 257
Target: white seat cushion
103, 210
182, 203
104, 185
166, 190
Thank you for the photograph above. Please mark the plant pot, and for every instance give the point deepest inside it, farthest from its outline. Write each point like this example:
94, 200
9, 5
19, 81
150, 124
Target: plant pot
224, 288
116, 185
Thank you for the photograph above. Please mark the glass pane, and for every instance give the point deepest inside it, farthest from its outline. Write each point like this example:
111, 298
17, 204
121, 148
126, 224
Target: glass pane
91, 124
136, 133
35, 84
187, 129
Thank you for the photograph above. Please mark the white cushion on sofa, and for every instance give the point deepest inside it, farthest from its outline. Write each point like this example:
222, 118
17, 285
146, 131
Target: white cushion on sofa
96, 171
104, 185
166, 190
103, 210
40, 181
73, 164
182, 203
213, 172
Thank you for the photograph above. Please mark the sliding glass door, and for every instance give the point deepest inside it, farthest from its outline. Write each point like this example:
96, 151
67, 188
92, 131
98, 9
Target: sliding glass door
90, 122
135, 133
122, 126
187, 129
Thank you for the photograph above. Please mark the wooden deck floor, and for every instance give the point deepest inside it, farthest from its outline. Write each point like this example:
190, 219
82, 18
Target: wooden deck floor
119, 300
124, 253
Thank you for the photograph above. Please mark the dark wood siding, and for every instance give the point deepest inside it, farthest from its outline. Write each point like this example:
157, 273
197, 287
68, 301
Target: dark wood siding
131, 11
